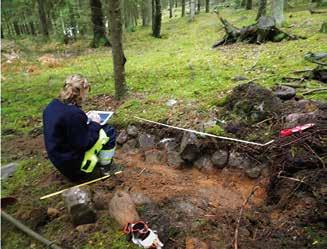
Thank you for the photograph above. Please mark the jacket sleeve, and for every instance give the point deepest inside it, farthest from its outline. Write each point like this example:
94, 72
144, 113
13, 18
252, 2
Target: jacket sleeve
81, 135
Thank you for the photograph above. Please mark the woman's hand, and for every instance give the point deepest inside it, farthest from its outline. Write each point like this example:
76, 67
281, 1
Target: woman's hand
94, 117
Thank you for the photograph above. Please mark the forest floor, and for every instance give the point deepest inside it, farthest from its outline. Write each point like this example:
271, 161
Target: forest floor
180, 66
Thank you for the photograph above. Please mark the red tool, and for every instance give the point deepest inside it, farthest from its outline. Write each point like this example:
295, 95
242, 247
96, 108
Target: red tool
300, 128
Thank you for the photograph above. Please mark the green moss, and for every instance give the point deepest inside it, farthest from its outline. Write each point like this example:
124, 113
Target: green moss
215, 130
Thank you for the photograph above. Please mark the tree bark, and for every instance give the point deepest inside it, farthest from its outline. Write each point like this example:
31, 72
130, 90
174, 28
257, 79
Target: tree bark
248, 5
16, 28
183, 8
73, 23
207, 6
119, 59
199, 7
192, 9
99, 31
146, 12
43, 18
278, 11
32, 28
262, 10
156, 18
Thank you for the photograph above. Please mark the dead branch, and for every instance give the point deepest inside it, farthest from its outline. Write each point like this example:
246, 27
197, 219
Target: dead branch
315, 90
312, 11
240, 216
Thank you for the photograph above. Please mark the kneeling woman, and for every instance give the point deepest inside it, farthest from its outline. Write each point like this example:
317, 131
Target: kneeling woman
79, 149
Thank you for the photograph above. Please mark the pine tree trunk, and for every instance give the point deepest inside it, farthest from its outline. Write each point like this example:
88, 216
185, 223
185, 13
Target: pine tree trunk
207, 6
32, 28
99, 30
262, 10
243, 3
278, 11
72, 21
119, 60
192, 9
156, 18
43, 18
248, 5
16, 28
183, 8
171, 8
146, 12
199, 7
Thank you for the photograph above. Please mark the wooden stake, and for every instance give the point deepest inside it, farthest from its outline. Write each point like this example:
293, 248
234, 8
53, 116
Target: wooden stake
80, 185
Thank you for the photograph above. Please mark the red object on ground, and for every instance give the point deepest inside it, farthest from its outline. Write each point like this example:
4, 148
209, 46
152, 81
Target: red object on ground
288, 132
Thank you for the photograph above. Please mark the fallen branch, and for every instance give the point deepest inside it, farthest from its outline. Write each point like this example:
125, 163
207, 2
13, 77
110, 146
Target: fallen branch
312, 11
240, 216
315, 90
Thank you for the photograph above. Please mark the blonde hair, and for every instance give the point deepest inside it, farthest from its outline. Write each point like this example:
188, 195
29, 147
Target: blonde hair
71, 91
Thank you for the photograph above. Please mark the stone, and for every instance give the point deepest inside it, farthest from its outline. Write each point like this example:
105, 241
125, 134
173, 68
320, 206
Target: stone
146, 141
122, 137
204, 164
236, 160
129, 145
132, 131
219, 158
85, 228
171, 102
239, 78
195, 243
168, 144
254, 172
79, 205
8, 170
174, 159
153, 156
189, 149
122, 208
140, 198
295, 119
100, 201
285, 92
53, 213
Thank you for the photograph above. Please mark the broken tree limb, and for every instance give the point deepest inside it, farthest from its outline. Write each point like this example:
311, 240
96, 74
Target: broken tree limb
80, 185
314, 90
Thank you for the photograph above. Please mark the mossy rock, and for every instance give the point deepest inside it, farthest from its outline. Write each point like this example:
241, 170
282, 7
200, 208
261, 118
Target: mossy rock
215, 130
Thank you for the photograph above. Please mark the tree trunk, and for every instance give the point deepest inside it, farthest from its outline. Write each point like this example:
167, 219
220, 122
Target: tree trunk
243, 3
262, 10
119, 59
16, 28
99, 30
248, 5
278, 11
32, 28
171, 8
183, 8
199, 7
192, 9
156, 18
146, 12
207, 6
73, 23
43, 18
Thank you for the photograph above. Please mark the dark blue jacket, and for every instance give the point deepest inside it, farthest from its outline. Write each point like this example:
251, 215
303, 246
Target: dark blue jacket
67, 136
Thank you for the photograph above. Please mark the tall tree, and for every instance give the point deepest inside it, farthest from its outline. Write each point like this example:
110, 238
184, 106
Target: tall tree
207, 6
119, 60
192, 9
248, 4
278, 11
146, 12
99, 31
183, 8
43, 18
199, 6
262, 10
156, 18
171, 4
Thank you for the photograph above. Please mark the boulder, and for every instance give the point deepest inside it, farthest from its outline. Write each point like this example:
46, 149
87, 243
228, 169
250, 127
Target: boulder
236, 160
122, 208
204, 164
189, 149
195, 243
132, 131
146, 141
174, 159
168, 144
129, 145
153, 156
79, 205
8, 170
285, 92
254, 172
122, 137
219, 158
